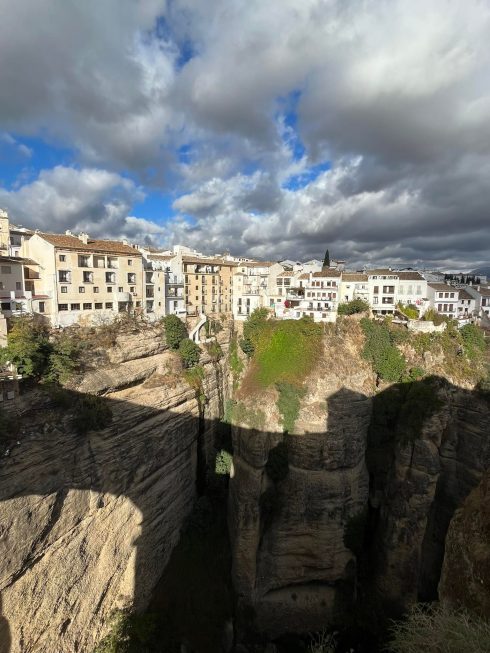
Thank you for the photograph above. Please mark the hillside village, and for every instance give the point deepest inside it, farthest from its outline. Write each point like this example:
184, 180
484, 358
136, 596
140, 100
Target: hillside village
69, 279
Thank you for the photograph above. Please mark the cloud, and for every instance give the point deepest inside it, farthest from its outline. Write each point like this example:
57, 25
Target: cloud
282, 128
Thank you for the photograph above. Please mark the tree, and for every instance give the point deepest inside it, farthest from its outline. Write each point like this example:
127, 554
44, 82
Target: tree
189, 352
352, 307
326, 260
28, 347
175, 330
252, 329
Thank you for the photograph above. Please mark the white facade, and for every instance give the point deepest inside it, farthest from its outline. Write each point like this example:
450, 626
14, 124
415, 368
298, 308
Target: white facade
251, 287
383, 286
443, 298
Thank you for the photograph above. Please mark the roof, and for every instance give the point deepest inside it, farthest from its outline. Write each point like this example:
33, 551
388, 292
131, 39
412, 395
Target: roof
17, 259
385, 271
256, 264
483, 291
208, 261
161, 257
410, 276
443, 287
354, 276
286, 273
305, 275
464, 294
328, 272
63, 241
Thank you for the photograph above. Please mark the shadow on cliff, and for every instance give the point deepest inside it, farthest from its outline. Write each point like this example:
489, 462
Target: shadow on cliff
143, 447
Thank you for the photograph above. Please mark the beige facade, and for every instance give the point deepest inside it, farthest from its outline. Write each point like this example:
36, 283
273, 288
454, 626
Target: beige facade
208, 285
87, 281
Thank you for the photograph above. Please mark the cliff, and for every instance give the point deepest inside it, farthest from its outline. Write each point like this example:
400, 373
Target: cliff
88, 522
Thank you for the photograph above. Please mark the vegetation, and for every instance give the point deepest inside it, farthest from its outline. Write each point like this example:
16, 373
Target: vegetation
92, 413
252, 330
379, 349
175, 330
212, 327
323, 642
64, 359
473, 341
408, 310
435, 629
326, 259
129, 633
194, 377
288, 404
214, 350
353, 307
189, 352
223, 463
431, 315
235, 362
241, 414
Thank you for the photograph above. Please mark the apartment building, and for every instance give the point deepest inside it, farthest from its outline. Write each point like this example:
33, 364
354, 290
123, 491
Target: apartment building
251, 286
466, 305
321, 294
382, 285
444, 298
354, 285
86, 280
481, 295
208, 283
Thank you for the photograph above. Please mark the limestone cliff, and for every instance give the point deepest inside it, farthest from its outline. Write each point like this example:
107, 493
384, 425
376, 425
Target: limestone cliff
287, 534
88, 522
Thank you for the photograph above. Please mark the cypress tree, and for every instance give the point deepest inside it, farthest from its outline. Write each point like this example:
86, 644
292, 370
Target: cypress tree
326, 260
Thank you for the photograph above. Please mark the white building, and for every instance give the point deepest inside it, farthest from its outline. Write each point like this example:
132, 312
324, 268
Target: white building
443, 298
354, 285
251, 286
383, 284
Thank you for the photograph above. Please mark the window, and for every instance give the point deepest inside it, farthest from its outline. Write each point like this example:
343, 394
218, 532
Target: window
131, 289
6, 269
64, 276
110, 277
81, 288
88, 277
62, 307
64, 289
120, 289
439, 307
131, 277
401, 290
108, 304
83, 261
375, 300
419, 290
109, 288
62, 257
87, 306
42, 307
130, 261
5, 306
96, 288
98, 306
18, 285
389, 290
75, 307
376, 290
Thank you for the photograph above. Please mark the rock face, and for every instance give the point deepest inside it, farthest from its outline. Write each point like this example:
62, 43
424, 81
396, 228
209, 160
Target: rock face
287, 533
465, 579
87, 523
416, 486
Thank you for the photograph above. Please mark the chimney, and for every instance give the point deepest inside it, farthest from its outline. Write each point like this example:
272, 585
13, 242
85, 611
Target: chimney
83, 237
125, 241
68, 233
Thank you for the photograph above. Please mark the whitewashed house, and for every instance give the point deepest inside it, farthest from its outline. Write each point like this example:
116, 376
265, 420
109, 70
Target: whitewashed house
443, 298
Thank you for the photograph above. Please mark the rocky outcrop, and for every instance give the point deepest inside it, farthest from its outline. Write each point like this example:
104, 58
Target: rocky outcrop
465, 578
88, 523
418, 483
288, 532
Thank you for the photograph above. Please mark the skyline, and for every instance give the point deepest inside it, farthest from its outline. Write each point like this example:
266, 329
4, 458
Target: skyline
268, 131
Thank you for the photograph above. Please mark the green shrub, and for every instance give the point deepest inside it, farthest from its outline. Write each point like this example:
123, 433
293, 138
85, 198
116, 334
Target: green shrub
214, 350
474, 341
386, 360
288, 404
435, 629
352, 307
223, 463
28, 347
92, 413
129, 633
409, 310
194, 377
190, 352
175, 330
242, 415
64, 359
247, 347
431, 315
252, 330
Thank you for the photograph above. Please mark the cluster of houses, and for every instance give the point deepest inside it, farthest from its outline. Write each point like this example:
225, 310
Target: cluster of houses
73, 279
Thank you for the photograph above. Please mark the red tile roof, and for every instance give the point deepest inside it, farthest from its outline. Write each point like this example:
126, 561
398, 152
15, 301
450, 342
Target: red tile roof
354, 276
63, 241
328, 272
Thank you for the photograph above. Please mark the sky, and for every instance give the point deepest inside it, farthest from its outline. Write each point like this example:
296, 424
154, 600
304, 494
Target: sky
267, 129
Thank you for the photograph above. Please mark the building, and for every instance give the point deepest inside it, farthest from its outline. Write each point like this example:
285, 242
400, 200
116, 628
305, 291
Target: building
466, 305
412, 289
208, 283
481, 295
382, 285
354, 285
251, 286
321, 294
86, 280
443, 298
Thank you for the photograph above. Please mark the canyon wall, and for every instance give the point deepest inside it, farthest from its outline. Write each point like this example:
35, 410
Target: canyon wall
88, 522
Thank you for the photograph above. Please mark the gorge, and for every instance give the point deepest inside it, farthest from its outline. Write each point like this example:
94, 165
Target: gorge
353, 503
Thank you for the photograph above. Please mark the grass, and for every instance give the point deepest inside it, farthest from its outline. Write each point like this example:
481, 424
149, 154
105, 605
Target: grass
435, 629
